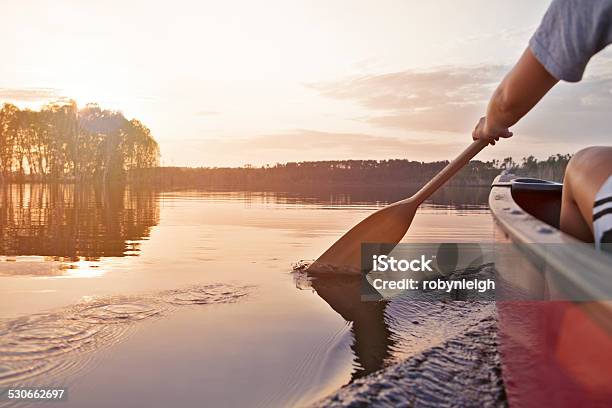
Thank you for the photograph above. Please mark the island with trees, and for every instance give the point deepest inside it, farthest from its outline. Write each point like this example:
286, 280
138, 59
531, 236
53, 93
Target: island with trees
61, 143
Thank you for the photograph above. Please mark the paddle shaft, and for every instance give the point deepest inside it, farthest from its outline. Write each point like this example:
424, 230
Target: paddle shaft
448, 171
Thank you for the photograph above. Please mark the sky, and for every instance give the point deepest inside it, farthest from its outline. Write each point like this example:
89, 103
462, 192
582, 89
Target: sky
229, 83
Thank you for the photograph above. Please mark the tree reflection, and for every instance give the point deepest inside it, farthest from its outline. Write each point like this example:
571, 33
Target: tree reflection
75, 221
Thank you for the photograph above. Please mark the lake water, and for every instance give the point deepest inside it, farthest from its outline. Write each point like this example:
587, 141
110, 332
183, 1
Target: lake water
182, 298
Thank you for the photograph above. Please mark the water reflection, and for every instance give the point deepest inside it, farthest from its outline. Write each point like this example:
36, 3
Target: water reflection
372, 340
64, 230
387, 331
340, 196
205, 237
74, 223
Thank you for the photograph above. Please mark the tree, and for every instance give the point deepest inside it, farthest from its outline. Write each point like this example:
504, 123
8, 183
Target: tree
61, 142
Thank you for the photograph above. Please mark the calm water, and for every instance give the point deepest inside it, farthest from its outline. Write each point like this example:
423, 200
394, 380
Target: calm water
178, 298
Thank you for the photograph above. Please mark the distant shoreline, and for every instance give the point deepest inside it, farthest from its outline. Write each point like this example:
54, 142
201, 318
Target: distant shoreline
395, 173
347, 173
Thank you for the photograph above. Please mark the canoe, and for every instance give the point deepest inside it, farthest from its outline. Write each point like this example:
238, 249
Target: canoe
553, 301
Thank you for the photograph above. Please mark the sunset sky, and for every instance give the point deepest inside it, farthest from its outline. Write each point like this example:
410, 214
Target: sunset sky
226, 83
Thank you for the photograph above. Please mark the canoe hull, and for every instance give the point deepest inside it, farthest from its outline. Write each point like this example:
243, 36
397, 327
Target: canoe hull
554, 352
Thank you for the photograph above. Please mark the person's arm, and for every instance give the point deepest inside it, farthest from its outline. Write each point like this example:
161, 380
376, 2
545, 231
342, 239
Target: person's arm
520, 91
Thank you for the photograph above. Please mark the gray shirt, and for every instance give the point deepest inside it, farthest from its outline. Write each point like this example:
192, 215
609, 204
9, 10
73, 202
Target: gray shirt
571, 32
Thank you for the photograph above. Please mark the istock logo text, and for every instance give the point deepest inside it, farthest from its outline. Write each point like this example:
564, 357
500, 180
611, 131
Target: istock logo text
384, 263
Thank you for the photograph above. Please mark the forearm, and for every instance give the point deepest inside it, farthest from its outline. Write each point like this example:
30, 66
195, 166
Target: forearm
505, 109
520, 91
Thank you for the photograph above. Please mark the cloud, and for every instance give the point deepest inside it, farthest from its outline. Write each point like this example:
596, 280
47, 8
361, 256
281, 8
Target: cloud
444, 99
451, 99
29, 94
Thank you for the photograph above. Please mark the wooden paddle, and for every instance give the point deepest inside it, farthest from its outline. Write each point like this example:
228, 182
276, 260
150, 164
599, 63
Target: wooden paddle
387, 225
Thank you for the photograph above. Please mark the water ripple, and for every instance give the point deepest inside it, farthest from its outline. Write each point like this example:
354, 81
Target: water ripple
109, 312
46, 346
218, 293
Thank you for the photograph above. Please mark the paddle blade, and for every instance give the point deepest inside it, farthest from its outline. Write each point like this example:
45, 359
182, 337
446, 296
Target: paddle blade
387, 225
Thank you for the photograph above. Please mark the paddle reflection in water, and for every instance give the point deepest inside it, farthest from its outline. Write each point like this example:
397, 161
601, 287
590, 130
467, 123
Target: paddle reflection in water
372, 338
388, 331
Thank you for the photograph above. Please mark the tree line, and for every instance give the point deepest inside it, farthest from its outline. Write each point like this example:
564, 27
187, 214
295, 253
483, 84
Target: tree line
396, 172
63, 143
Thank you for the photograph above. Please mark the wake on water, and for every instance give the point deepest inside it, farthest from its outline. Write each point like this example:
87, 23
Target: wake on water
49, 346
